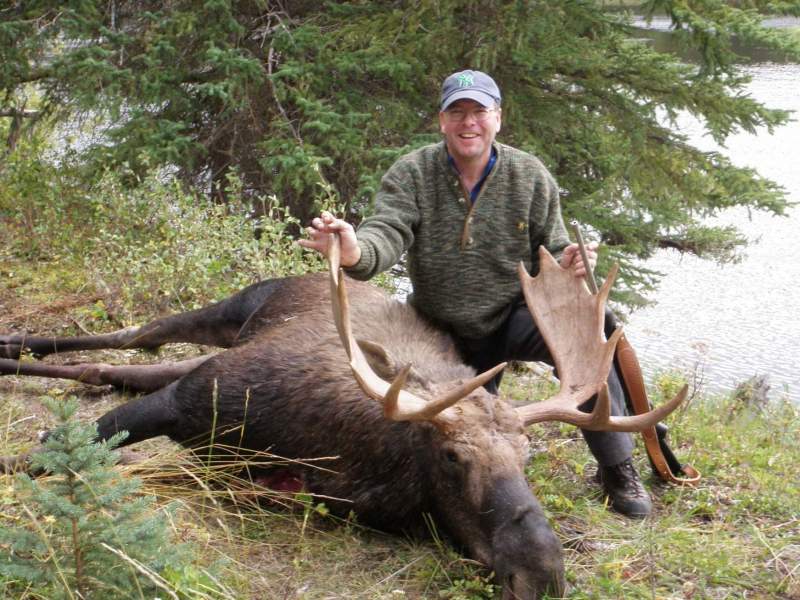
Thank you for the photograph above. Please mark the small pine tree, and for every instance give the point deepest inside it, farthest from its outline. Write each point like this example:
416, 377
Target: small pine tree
83, 532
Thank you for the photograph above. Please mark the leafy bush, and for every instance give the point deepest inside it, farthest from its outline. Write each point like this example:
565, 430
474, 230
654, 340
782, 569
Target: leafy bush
159, 246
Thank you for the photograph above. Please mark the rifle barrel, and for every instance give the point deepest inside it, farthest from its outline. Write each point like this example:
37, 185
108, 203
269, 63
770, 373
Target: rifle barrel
590, 280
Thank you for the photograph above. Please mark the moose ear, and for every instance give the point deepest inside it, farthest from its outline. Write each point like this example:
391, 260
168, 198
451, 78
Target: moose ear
378, 358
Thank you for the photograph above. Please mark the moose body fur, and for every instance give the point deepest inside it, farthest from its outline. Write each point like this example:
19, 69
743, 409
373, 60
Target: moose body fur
287, 389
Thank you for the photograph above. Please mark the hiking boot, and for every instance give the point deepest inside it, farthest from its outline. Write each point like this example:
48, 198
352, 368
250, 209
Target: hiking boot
624, 489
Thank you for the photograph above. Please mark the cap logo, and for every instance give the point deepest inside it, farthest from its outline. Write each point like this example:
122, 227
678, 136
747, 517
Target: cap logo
465, 80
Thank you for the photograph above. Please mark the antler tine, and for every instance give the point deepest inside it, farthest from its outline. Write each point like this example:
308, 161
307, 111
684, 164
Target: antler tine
571, 321
399, 405
650, 418
392, 410
336, 275
599, 419
602, 296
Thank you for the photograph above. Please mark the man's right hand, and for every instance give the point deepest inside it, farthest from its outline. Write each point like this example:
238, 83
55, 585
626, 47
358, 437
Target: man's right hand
318, 232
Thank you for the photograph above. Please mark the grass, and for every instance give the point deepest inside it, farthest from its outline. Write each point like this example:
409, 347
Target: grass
737, 535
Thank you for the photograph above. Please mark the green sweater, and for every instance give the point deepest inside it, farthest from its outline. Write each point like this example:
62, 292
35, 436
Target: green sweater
462, 258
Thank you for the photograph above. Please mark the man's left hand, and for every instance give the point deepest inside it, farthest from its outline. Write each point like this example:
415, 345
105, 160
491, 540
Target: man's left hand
571, 257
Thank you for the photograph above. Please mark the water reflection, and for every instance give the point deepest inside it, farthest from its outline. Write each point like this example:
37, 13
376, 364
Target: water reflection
658, 32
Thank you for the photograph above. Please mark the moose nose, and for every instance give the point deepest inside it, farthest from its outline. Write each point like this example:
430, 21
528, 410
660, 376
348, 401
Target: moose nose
528, 559
526, 554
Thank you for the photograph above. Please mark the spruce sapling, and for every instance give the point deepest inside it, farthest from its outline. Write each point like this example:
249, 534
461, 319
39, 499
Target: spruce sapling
83, 531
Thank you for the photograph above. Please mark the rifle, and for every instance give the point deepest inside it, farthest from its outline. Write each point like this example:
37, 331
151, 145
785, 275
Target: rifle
662, 459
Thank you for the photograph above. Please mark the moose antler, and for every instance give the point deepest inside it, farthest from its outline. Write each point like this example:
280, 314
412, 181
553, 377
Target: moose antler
398, 404
571, 320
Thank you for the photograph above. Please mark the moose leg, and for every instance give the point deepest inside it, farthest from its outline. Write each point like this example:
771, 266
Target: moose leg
134, 378
13, 345
214, 325
195, 327
143, 418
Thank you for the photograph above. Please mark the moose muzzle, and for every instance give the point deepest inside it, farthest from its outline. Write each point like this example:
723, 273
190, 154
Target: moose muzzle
526, 554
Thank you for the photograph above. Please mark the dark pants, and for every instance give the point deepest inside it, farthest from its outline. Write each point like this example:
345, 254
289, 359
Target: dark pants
518, 338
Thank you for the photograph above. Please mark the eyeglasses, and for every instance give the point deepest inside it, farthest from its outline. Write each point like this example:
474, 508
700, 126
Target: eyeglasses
457, 115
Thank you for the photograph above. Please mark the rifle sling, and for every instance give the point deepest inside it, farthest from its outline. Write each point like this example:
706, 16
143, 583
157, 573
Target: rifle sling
662, 458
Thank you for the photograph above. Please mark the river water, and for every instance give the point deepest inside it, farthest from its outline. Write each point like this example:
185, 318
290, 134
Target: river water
727, 323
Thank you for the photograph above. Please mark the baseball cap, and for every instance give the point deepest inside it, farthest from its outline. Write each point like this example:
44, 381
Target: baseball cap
473, 85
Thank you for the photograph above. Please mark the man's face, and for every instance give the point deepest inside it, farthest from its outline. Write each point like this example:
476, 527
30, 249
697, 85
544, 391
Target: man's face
469, 130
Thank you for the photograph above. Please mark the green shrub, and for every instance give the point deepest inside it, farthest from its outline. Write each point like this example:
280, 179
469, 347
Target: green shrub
84, 531
39, 202
158, 246
148, 245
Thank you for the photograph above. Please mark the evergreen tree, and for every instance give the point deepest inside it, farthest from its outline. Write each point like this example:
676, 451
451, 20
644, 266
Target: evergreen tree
302, 94
84, 531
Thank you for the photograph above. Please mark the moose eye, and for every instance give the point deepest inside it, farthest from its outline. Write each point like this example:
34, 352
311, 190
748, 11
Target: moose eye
451, 456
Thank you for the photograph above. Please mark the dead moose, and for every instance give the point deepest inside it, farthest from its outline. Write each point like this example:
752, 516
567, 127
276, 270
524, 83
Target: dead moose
300, 384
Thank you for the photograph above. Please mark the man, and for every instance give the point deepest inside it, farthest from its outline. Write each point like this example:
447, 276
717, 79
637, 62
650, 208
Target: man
467, 210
